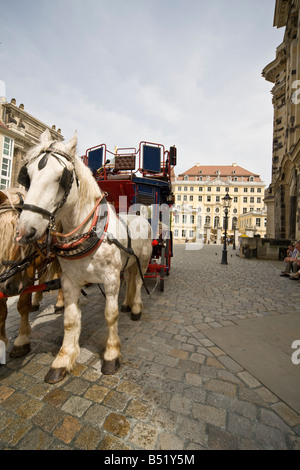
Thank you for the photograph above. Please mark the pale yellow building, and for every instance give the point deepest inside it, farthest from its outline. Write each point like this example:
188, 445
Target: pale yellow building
253, 223
198, 212
19, 131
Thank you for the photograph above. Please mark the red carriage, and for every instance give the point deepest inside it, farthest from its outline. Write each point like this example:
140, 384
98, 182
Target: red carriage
139, 180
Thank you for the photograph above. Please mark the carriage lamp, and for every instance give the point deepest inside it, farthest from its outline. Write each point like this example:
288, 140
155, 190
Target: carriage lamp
226, 206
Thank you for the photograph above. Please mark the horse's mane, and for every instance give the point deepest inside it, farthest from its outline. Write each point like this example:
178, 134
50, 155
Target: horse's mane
88, 187
8, 222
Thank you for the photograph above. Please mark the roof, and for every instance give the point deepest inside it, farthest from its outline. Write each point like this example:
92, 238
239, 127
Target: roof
225, 170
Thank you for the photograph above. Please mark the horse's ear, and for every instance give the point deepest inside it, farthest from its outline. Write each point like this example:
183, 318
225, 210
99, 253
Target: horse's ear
70, 146
45, 136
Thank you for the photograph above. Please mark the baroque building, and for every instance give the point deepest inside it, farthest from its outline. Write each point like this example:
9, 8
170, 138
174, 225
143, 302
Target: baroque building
198, 210
282, 197
19, 131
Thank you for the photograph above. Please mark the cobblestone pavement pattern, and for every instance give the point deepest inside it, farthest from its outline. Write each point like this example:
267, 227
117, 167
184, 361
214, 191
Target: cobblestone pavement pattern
175, 390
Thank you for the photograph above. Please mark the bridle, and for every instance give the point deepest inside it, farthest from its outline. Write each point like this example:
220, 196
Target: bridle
66, 182
80, 245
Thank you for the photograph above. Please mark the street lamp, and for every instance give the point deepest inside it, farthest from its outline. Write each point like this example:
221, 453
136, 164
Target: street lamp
226, 206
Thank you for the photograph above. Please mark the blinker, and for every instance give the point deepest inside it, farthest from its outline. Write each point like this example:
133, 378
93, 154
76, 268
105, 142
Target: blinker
23, 178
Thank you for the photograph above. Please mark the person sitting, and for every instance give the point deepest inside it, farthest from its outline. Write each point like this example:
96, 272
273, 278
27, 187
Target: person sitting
291, 255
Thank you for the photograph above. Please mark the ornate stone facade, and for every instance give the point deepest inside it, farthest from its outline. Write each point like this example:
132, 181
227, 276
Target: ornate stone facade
19, 131
282, 197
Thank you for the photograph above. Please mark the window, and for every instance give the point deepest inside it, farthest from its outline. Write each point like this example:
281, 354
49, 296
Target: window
207, 220
200, 189
200, 198
259, 190
176, 232
186, 178
185, 198
179, 198
192, 188
252, 200
191, 198
184, 219
236, 190
208, 198
185, 188
216, 222
251, 190
245, 190
209, 189
176, 219
257, 222
244, 210
191, 234
218, 189
192, 219
183, 233
7, 156
258, 200
217, 198
235, 199
179, 188
245, 199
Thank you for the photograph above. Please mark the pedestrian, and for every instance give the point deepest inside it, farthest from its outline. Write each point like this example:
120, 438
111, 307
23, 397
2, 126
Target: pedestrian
291, 255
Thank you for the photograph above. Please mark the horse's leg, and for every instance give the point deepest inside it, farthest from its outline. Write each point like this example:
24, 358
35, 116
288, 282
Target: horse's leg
3, 315
65, 360
112, 354
59, 302
137, 304
21, 345
129, 276
37, 298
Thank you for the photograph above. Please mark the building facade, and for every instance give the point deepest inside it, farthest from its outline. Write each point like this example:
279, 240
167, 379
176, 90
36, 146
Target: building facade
282, 197
253, 223
198, 212
19, 131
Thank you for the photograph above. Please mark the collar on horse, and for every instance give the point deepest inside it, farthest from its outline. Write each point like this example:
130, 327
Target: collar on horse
84, 244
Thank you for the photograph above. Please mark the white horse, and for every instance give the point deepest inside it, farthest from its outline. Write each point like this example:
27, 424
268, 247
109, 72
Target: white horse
94, 246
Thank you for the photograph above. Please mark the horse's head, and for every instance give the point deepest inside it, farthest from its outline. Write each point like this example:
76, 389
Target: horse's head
11, 254
48, 176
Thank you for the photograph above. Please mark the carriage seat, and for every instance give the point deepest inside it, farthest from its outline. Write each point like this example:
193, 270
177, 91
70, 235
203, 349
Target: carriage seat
124, 162
119, 176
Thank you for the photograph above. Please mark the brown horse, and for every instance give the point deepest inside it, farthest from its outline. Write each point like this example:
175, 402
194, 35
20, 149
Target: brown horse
10, 202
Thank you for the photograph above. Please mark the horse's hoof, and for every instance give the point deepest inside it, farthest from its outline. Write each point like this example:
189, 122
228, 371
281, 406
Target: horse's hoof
58, 309
55, 375
136, 316
110, 367
20, 351
125, 308
34, 308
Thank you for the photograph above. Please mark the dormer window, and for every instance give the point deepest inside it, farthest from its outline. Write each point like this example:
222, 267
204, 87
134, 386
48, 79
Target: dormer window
186, 178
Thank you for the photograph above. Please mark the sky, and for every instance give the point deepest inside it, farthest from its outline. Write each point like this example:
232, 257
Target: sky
174, 72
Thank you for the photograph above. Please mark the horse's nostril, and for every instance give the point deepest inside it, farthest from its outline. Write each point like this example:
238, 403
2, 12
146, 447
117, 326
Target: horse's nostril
31, 233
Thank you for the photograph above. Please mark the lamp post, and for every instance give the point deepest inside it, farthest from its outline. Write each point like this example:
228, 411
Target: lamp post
226, 206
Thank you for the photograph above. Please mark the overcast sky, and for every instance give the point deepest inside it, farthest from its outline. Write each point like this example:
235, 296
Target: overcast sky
176, 72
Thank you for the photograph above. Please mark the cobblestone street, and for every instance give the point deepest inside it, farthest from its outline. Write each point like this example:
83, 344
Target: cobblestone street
176, 389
